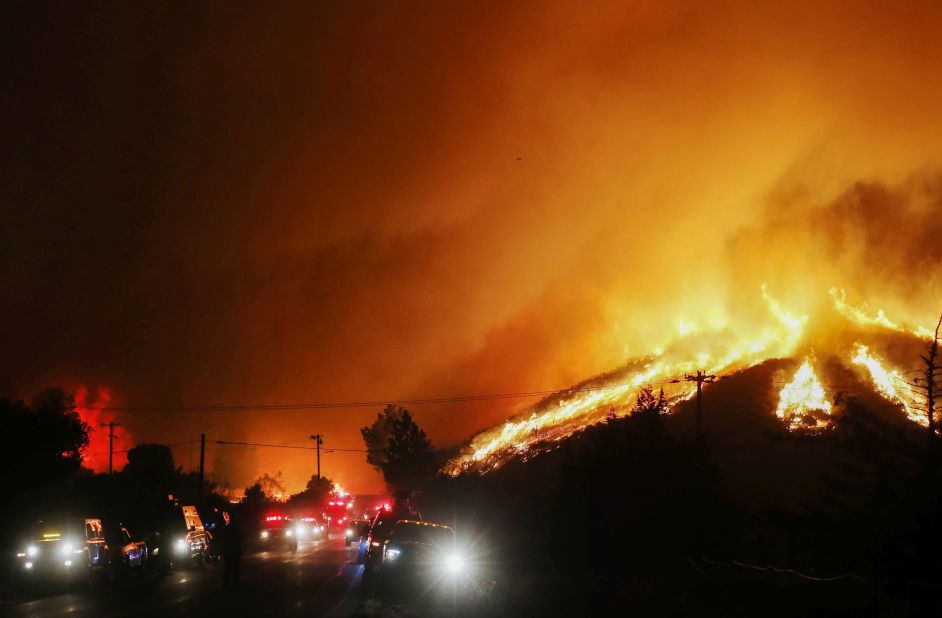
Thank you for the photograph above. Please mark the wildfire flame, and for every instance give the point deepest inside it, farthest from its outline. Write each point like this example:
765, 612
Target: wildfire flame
803, 400
839, 299
94, 414
721, 349
557, 418
887, 383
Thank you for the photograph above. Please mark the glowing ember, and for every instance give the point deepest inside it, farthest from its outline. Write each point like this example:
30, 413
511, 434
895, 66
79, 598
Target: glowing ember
802, 402
887, 383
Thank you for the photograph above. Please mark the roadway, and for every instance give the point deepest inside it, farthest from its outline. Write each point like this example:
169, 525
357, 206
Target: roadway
321, 579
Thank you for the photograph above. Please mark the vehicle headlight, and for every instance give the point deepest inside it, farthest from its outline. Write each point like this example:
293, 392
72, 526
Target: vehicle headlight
299, 531
68, 563
392, 554
67, 548
455, 563
180, 545
28, 565
264, 534
349, 532
289, 532
32, 550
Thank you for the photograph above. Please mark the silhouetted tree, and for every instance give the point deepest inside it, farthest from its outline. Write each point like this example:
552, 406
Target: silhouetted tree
399, 448
377, 435
151, 467
46, 439
314, 495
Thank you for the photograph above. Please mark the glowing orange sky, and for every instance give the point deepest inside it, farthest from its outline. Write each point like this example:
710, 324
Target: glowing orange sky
319, 202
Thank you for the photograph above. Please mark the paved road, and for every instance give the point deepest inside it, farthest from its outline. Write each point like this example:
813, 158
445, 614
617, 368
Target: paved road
320, 580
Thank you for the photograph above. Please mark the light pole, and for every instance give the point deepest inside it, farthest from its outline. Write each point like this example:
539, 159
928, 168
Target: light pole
318, 440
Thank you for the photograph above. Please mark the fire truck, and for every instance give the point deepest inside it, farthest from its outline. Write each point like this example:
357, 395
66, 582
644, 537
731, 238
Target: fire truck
337, 513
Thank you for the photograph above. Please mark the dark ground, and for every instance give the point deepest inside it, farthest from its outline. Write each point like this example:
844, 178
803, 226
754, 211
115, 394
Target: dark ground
320, 580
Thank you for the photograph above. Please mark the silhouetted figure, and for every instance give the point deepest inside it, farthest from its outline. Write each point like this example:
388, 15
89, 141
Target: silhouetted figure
232, 552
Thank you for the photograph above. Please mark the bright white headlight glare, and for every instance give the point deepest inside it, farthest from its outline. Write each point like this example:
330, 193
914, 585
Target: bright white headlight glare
68, 563
300, 531
289, 532
264, 534
67, 547
28, 565
392, 554
349, 532
180, 545
32, 550
454, 563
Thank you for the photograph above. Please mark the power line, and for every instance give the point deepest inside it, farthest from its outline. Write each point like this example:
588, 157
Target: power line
377, 403
291, 446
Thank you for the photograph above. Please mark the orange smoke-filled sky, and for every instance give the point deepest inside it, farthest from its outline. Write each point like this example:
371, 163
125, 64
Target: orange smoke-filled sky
222, 203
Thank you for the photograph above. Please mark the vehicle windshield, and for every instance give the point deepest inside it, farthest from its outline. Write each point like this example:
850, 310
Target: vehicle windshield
423, 534
55, 531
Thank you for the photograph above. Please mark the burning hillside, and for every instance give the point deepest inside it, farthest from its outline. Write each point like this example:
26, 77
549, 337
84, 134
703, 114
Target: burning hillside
878, 350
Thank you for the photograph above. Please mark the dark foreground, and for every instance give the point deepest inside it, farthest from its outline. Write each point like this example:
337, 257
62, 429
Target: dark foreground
320, 580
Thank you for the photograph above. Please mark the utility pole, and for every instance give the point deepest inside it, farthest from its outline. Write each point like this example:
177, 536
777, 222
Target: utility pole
202, 462
111, 425
318, 440
700, 379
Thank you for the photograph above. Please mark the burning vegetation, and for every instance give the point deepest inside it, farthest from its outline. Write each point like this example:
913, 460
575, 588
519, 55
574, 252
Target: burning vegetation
804, 400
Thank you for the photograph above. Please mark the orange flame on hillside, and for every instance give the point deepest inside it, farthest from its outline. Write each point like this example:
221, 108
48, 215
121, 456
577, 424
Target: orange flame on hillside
558, 417
803, 402
879, 319
888, 383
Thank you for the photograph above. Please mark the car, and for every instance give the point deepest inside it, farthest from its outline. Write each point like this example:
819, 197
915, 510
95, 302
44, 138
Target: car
380, 528
181, 540
122, 551
418, 545
307, 528
278, 530
61, 548
356, 530
69, 548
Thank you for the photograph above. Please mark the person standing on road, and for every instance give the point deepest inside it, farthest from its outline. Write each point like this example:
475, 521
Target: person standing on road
232, 552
